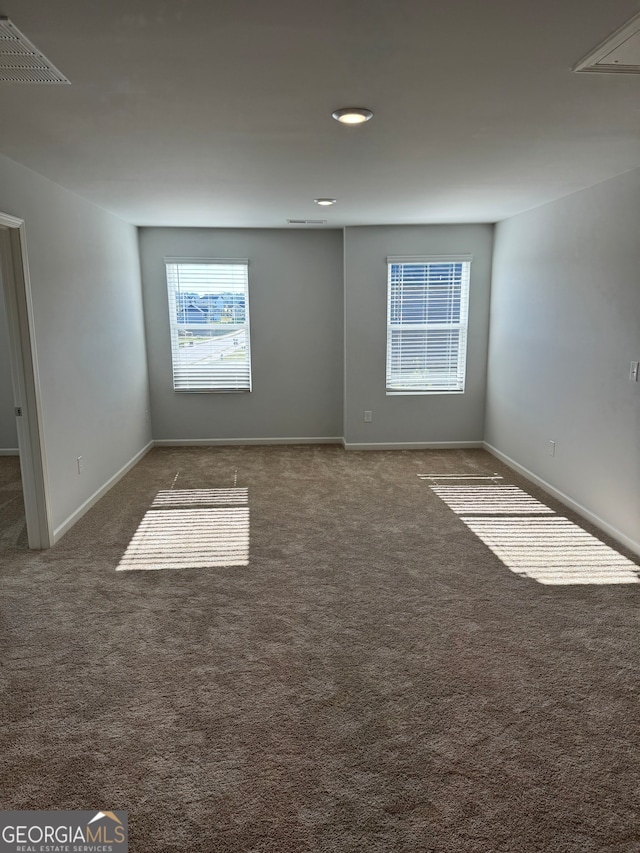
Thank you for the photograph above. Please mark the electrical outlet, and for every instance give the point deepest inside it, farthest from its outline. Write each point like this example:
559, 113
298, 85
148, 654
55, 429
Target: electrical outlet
552, 448
80, 464
368, 417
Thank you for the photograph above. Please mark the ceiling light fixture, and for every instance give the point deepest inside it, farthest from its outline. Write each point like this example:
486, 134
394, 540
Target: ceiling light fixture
352, 115
325, 202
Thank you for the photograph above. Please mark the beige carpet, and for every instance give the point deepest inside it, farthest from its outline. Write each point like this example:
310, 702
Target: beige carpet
13, 529
375, 679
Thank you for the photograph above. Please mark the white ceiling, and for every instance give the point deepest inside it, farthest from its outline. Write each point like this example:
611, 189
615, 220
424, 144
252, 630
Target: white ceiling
218, 112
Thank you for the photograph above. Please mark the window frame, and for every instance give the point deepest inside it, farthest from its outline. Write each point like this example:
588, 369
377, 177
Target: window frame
393, 388
175, 326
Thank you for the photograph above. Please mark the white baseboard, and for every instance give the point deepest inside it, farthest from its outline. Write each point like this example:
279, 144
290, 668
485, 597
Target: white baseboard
59, 531
413, 445
394, 445
9, 451
226, 442
607, 528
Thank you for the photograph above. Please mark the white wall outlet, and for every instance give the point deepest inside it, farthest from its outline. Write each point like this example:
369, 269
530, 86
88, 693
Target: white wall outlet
368, 417
633, 371
80, 464
552, 448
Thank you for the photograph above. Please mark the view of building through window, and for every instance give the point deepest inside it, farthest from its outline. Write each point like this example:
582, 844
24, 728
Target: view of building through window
209, 318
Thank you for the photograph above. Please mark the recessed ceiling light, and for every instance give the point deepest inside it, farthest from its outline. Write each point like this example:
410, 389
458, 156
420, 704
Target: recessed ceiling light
325, 202
352, 115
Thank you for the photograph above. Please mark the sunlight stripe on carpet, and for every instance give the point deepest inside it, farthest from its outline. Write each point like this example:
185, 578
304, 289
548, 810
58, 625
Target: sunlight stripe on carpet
200, 497
553, 551
191, 529
489, 499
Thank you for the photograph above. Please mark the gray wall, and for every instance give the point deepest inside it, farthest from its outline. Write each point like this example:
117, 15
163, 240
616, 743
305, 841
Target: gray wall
565, 325
85, 278
410, 419
295, 298
8, 433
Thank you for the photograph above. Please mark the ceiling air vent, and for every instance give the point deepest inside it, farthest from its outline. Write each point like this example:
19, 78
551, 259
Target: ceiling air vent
21, 62
619, 54
307, 221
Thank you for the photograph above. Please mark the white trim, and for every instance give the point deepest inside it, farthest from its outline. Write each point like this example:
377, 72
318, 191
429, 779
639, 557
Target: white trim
394, 445
215, 373
26, 381
421, 393
222, 442
10, 221
345, 401
9, 451
240, 261
413, 445
59, 531
607, 528
429, 259
402, 348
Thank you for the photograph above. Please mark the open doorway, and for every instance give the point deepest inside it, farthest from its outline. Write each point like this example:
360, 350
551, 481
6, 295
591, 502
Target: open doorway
13, 523
22, 425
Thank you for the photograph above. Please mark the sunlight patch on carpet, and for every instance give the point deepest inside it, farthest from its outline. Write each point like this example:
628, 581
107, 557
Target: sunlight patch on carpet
200, 497
493, 477
489, 500
531, 539
191, 529
553, 551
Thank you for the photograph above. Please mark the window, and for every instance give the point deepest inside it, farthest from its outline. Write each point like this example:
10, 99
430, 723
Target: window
427, 310
209, 321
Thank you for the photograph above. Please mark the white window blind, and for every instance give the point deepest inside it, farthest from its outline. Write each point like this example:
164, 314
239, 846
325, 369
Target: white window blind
427, 315
209, 322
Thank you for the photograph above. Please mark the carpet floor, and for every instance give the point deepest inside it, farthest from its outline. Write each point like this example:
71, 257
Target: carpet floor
375, 679
13, 528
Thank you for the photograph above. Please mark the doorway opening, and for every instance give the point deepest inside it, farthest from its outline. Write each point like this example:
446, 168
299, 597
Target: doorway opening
20, 350
13, 526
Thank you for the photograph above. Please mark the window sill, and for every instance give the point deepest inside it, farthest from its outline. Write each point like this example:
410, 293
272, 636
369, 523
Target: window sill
423, 393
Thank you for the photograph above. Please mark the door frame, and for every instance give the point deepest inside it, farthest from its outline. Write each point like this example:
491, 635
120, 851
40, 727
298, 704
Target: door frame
14, 272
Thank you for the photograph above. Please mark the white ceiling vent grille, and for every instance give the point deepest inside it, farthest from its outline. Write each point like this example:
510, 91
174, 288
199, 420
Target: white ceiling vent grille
21, 62
307, 221
619, 54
